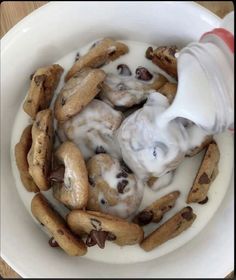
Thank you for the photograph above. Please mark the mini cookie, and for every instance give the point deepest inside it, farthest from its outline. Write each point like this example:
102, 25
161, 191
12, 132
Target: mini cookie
93, 129
40, 154
101, 227
126, 91
55, 224
78, 92
170, 229
155, 212
112, 190
205, 176
169, 91
71, 187
208, 139
164, 57
103, 52
42, 87
21, 150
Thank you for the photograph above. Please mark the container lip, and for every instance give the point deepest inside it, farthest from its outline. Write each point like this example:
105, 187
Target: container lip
226, 36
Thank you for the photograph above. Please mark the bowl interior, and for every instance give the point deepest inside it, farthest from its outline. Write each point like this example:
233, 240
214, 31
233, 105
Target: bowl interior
42, 38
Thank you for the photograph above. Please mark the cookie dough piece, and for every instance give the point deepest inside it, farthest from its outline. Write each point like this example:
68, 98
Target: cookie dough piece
127, 91
112, 190
164, 57
71, 187
40, 154
21, 150
170, 229
118, 230
205, 175
155, 212
93, 129
103, 52
42, 87
208, 139
78, 92
55, 224
169, 91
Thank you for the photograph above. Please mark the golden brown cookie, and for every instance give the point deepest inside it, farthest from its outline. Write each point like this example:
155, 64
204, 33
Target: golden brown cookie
55, 224
126, 91
40, 154
103, 52
170, 229
93, 129
206, 174
112, 228
78, 92
21, 150
169, 91
42, 87
208, 139
112, 190
164, 57
71, 178
155, 212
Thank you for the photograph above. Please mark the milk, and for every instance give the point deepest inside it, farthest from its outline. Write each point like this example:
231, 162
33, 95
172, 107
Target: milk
182, 181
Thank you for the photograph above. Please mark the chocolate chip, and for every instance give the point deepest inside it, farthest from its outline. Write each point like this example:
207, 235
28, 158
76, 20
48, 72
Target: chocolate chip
204, 201
143, 74
37, 123
100, 150
63, 101
149, 53
60, 231
125, 167
42, 224
77, 56
57, 175
90, 241
122, 174
111, 236
91, 181
103, 201
121, 185
124, 70
53, 243
39, 79
100, 237
95, 223
204, 179
145, 217
188, 215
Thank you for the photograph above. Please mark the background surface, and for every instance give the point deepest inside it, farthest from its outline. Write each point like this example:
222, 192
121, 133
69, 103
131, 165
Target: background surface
12, 11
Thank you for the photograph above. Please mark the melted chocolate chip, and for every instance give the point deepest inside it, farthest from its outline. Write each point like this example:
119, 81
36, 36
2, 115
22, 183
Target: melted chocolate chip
100, 150
124, 70
90, 241
53, 243
111, 236
204, 201
125, 167
63, 101
122, 174
149, 53
143, 74
188, 215
77, 56
98, 236
204, 179
57, 175
103, 201
121, 185
145, 217
42, 224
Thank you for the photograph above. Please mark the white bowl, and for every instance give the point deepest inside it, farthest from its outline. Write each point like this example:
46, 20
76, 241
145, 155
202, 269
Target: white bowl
42, 38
